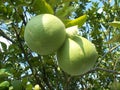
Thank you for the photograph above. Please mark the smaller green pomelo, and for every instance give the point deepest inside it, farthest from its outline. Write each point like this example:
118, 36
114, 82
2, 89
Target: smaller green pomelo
37, 87
45, 34
76, 56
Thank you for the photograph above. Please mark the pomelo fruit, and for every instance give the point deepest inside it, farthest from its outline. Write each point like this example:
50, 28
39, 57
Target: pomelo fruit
77, 55
45, 34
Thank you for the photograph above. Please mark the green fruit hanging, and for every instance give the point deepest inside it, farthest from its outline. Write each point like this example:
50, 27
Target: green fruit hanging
77, 55
37, 87
45, 34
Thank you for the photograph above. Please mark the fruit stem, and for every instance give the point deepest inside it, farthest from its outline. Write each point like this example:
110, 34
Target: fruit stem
72, 31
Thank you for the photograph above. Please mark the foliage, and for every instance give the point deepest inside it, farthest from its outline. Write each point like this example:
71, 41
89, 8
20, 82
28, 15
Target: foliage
22, 69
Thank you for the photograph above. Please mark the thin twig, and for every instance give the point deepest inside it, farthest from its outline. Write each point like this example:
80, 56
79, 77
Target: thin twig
67, 83
100, 69
26, 58
45, 78
5, 36
107, 53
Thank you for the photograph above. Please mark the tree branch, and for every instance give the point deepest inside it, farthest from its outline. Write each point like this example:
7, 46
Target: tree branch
100, 69
26, 58
107, 53
66, 87
108, 70
5, 36
46, 79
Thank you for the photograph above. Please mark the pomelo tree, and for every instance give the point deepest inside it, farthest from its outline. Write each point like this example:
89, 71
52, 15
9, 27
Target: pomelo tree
22, 67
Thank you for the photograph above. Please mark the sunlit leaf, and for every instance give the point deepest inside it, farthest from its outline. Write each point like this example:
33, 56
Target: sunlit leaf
78, 21
115, 24
64, 11
11, 88
7, 22
116, 38
4, 84
4, 72
41, 6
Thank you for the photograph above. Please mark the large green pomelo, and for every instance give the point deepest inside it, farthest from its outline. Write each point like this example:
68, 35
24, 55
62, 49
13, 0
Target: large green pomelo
76, 56
45, 34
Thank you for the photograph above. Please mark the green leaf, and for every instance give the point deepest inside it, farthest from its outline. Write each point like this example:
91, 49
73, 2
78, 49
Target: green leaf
78, 21
29, 87
4, 84
7, 22
53, 2
4, 73
4, 46
11, 88
17, 85
41, 7
69, 0
24, 81
65, 11
115, 24
115, 38
115, 86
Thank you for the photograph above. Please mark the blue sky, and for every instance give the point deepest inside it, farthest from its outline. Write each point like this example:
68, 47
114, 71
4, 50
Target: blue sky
100, 3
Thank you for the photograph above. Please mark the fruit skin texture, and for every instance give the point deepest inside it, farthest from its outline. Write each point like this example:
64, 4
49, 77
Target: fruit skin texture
76, 56
45, 34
